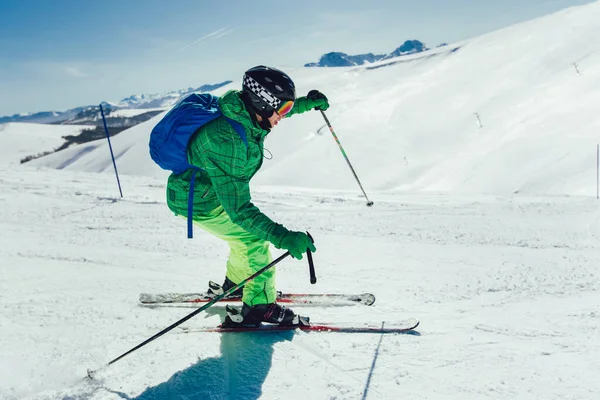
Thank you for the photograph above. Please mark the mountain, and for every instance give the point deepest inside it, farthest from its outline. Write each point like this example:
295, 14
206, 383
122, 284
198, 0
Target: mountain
44, 117
146, 106
408, 47
338, 59
146, 101
413, 122
87, 120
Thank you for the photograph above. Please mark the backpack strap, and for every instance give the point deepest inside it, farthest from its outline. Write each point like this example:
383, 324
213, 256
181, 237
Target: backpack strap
239, 129
190, 216
190, 227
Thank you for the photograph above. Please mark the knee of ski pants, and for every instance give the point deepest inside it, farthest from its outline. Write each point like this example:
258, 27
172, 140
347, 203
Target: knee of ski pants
218, 223
247, 250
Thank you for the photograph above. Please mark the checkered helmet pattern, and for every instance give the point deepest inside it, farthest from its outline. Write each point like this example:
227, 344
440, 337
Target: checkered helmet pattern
261, 92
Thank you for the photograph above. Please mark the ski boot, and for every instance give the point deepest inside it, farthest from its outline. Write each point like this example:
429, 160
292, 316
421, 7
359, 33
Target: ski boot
214, 289
253, 316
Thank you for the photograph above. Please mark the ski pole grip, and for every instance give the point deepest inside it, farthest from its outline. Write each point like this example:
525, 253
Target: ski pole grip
311, 264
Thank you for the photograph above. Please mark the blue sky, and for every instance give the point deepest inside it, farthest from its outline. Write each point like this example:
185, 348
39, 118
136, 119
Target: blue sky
56, 55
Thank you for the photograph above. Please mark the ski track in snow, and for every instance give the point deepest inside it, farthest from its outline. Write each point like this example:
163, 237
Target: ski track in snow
505, 288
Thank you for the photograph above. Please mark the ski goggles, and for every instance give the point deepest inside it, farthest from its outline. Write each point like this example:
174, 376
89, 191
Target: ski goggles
285, 107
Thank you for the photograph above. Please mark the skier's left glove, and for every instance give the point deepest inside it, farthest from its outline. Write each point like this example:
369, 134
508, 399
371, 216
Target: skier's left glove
297, 243
317, 100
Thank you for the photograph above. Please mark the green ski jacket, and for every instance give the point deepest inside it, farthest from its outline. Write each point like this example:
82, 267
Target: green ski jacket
228, 165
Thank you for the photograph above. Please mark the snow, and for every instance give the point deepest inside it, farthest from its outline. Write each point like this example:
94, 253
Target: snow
19, 140
130, 113
489, 236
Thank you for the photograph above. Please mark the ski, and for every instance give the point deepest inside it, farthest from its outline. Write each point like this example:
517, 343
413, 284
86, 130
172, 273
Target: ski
158, 299
405, 326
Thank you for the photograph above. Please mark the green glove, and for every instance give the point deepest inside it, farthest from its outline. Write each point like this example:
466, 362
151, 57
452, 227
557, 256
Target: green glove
296, 243
317, 100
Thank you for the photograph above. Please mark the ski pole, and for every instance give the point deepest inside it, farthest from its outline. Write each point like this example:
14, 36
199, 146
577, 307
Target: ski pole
369, 202
311, 264
112, 155
92, 373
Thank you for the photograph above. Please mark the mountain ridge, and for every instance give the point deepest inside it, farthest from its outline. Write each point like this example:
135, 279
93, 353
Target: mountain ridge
90, 114
339, 59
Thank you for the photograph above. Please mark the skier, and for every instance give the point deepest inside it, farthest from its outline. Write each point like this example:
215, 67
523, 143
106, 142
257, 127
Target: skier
222, 205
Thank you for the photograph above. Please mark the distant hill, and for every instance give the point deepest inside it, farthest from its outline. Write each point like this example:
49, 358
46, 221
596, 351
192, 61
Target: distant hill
126, 113
338, 59
87, 120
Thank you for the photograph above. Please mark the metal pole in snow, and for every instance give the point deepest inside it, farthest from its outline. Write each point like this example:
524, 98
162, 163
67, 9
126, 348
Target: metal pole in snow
369, 202
597, 171
111, 150
479, 120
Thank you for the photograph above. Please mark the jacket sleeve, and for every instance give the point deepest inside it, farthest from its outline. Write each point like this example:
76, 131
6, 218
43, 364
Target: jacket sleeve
224, 158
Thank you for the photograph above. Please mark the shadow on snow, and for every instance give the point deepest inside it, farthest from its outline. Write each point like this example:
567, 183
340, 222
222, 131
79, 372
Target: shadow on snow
238, 373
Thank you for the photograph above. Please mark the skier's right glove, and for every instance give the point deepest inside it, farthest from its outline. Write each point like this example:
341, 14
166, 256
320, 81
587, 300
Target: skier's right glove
317, 100
296, 243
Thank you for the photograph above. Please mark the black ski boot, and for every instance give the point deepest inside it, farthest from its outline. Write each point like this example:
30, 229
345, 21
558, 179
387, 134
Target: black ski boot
253, 316
214, 289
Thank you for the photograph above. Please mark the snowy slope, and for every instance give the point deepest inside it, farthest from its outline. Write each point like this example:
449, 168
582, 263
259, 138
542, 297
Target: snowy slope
95, 156
412, 124
505, 285
506, 290
19, 140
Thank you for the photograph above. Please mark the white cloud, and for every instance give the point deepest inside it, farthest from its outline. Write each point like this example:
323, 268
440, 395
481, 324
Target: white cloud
75, 71
211, 36
55, 69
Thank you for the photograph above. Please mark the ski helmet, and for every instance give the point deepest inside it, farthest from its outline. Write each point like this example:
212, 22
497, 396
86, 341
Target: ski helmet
266, 89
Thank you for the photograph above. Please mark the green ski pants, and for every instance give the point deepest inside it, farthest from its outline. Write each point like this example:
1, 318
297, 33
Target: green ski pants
247, 255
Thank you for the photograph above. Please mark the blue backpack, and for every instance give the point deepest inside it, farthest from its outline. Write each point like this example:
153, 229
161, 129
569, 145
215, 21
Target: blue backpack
170, 137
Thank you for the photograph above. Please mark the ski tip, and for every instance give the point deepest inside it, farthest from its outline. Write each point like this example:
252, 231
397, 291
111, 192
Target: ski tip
413, 323
368, 299
147, 298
